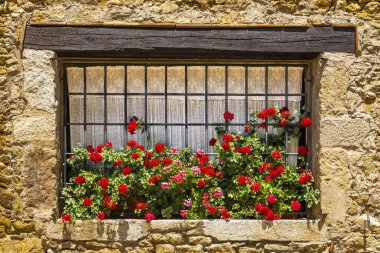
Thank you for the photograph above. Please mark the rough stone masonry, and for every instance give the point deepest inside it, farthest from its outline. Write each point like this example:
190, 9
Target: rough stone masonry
346, 94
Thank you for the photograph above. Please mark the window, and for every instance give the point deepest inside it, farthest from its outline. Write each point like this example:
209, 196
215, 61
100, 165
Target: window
181, 104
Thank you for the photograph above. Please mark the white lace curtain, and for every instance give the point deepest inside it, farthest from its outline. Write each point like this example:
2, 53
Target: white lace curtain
198, 136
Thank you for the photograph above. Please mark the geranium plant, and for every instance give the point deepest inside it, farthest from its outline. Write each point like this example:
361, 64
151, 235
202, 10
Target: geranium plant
246, 180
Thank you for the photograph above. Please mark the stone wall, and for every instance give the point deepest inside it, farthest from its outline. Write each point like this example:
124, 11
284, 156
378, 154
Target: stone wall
346, 139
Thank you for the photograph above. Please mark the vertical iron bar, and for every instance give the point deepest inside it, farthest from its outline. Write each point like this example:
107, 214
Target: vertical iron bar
85, 104
65, 127
266, 106
125, 104
206, 106
226, 93
186, 111
286, 104
246, 94
105, 105
146, 97
166, 106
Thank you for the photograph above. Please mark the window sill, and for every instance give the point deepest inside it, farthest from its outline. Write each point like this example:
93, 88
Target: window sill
223, 231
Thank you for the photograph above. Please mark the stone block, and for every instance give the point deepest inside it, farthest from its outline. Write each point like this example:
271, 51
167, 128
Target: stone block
257, 230
165, 248
202, 240
6, 198
32, 245
24, 227
221, 248
92, 230
249, 250
174, 225
189, 249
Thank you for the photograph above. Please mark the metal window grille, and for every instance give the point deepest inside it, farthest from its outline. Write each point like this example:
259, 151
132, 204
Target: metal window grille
84, 92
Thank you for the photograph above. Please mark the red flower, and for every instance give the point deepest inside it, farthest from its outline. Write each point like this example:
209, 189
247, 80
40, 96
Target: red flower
225, 214
148, 154
160, 147
306, 122
132, 144
87, 202
66, 217
243, 180
154, 163
263, 114
284, 109
260, 208
271, 112
135, 156
268, 178
302, 150
134, 119
202, 182
203, 160
141, 147
80, 180
118, 163
265, 166
126, 171
255, 187
108, 204
296, 206
226, 146
132, 127
283, 122
101, 216
212, 142
99, 148
285, 114
184, 213
109, 144
305, 178
153, 179
276, 172
248, 128
228, 116
263, 125
149, 217
140, 206
96, 157
123, 189
270, 215
271, 199
103, 182
245, 150
90, 149
211, 210
166, 161
220, 175
228, 138
276, 155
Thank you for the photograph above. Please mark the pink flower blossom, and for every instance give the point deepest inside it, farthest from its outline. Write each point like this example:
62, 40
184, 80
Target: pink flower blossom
187, 202
149, 217
218, 194
184, 213
178, 178
164, 185
200, 153
196, 170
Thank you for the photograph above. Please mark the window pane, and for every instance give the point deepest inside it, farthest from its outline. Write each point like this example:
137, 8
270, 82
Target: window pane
216, 109
276, 136
196, 78
95, 79
176, 79
135, 107
95, 109
216, 79
176, 110
276, 101
75, 79
236, 79
156, 109
95, 135
115, 109
76, 137
256, 103
236, 129
135, 79
176, 137
294, 105
157, 134
236, 105
156, 79
76, 105
276, 80
140, 138
256, 80
211, 133
196, 109
115, 79
197, 138
295, 75
115, 134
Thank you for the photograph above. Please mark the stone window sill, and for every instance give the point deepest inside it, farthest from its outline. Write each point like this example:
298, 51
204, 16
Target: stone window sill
220, 230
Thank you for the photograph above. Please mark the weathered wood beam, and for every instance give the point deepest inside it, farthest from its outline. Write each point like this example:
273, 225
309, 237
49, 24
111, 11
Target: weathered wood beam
278, 42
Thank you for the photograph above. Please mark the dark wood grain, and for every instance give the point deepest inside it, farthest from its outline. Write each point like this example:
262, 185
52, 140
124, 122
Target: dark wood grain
303, 42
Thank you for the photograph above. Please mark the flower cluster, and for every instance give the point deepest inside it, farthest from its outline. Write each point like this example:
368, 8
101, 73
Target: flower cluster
163, 182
